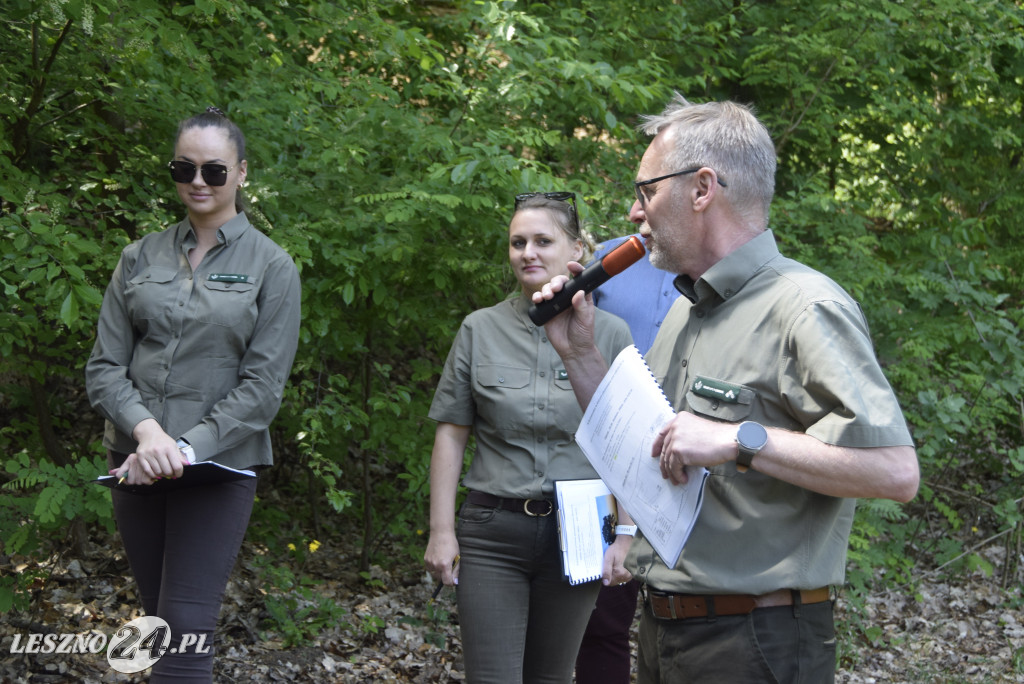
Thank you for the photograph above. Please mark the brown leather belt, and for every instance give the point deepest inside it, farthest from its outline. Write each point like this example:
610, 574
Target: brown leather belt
537, 508
682, 606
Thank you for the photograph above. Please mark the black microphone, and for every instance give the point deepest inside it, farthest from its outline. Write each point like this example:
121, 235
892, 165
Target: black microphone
613, 263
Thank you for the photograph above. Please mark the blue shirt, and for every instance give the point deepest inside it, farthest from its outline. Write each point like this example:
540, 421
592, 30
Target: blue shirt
641, 295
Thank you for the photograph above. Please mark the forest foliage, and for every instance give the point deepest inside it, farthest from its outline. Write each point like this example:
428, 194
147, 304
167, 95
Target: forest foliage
386, 141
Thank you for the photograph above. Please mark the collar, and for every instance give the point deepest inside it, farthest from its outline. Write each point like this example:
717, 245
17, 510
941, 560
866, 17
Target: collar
521, 304
731, 273
226, 234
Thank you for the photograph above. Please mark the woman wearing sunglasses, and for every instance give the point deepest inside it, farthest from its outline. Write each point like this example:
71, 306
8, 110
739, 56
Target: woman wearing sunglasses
520, 621
195, 341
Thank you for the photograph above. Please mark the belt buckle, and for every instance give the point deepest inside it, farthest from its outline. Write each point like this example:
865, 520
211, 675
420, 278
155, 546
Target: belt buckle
526, 508
650, 594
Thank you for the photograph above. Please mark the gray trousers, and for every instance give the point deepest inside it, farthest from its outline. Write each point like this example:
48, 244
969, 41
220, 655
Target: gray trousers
519, 620
787, 644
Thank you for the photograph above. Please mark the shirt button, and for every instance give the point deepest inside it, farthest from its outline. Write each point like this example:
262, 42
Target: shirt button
540, 440
542, 374
544, 340
502, 379
541, 407
685, 362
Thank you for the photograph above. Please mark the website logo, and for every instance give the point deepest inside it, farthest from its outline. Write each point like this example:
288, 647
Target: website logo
143, 641
138, 644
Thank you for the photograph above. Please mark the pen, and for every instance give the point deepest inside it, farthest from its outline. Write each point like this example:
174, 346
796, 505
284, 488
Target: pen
440, 584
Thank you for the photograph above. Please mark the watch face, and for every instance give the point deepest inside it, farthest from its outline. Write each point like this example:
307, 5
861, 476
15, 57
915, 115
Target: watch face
752, 436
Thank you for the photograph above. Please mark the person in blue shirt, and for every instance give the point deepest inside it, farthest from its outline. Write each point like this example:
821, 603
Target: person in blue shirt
629, 295
603, 657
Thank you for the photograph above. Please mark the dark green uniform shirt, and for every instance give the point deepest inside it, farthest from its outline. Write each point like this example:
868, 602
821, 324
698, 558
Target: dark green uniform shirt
206, 354
762, 337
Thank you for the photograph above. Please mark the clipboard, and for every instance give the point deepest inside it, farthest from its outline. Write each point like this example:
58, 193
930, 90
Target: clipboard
199, 473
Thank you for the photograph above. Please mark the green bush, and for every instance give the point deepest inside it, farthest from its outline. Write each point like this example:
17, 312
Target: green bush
386, 140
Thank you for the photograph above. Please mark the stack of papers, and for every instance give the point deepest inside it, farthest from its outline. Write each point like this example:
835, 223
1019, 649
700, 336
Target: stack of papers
616, 435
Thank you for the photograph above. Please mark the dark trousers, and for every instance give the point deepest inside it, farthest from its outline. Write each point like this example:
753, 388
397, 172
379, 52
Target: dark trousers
182, 547
519, 620
604, 654
785, 644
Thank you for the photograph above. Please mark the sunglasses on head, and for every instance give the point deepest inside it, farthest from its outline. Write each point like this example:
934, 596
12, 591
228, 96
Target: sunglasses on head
185, 171
562, 196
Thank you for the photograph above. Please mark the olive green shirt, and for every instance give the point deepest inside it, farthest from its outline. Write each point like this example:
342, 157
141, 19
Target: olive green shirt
503, 378
205, 354
762, 337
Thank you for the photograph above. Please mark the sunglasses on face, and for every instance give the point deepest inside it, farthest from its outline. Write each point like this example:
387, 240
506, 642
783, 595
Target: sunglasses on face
185, 171
638, 185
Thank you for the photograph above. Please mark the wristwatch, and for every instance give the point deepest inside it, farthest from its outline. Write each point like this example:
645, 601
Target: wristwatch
187, 451
751, 438
629, 530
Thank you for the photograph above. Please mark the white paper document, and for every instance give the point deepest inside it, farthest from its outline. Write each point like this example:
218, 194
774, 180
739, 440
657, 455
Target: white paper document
586, 527
616, 435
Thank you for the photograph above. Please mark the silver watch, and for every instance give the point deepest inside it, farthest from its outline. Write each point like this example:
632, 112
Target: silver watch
187, 451
751, 438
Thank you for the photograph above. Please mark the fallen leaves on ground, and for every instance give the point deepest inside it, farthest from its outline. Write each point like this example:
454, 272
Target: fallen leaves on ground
383, 627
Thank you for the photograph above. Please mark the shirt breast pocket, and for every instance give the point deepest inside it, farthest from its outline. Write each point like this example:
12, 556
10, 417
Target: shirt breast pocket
706, 398
227, 303
503, 394
735, 409
149, 294
565, 408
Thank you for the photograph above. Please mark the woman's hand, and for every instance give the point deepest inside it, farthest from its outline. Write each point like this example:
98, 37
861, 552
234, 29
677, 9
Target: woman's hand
156, 456
613, 572
440, 558
132, 473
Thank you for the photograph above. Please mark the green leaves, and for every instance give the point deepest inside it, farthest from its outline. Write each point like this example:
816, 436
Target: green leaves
59, 494
386, 140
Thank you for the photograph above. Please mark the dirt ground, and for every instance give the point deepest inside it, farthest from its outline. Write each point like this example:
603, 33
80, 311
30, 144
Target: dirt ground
963, 629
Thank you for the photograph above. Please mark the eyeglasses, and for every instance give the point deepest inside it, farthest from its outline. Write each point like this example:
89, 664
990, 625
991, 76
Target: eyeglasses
185, 171
562, 196
642, 198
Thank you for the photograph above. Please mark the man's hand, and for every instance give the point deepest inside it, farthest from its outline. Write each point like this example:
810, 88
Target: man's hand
571, 332
689, 440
